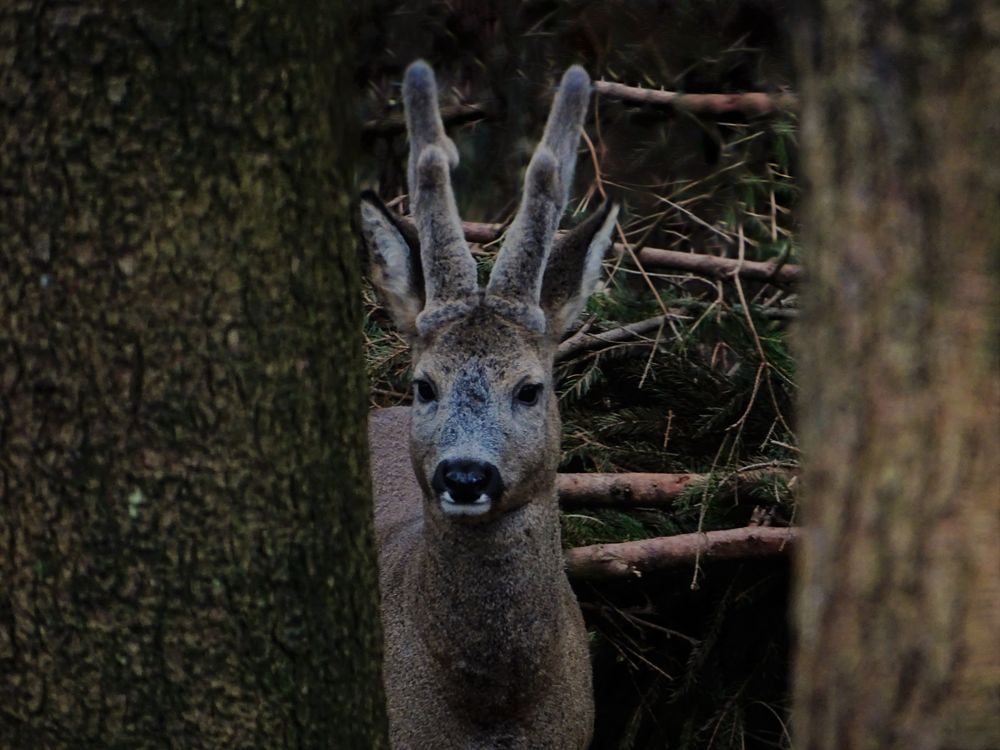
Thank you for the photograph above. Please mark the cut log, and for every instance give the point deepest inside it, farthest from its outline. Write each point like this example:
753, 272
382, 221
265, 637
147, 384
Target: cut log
602, 562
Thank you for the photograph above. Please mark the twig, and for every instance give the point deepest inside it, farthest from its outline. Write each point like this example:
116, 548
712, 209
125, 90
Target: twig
772, 313
765, 362
627, 248
752, 103
585, 339
597, 163
602, 562
695, 218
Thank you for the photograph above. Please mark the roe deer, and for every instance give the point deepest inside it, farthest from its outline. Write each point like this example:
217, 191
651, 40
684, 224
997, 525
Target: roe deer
484, 641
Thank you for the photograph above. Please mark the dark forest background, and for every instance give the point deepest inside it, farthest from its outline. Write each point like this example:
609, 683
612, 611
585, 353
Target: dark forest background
186, 546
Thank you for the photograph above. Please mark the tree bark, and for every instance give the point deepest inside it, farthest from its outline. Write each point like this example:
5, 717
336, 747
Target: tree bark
186, 546
898, 599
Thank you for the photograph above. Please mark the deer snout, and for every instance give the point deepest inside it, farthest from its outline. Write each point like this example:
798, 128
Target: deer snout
466, 482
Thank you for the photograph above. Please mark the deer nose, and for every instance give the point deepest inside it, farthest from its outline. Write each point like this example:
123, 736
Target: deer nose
467, 481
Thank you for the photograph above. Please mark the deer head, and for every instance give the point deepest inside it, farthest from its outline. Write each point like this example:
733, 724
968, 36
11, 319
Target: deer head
485, 427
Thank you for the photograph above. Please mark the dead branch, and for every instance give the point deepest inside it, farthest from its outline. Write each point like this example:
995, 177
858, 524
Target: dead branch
669, 260
772, 313
751, 103
754, 103
641, 490
602, 562
621, 490
635, 333
482, 233
716, 267
584, 340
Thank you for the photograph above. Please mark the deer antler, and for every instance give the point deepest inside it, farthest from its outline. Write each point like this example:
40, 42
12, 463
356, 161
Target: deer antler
449, 270
517, 274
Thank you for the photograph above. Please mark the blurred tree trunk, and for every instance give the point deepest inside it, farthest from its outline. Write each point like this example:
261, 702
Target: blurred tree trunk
186, 552
898, 596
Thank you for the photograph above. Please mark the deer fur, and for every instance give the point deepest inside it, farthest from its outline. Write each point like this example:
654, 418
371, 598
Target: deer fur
485, 645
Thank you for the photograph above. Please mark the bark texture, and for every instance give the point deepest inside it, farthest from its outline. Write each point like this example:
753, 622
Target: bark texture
898, 599
186, 554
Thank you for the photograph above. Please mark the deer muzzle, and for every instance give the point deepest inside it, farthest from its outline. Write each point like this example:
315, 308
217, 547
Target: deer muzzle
467, 487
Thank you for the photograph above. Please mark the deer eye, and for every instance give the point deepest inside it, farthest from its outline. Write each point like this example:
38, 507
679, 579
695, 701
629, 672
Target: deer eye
528, 394
424, 390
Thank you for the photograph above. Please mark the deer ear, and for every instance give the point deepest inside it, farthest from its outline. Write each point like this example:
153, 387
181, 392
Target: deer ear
574, 267
393, 262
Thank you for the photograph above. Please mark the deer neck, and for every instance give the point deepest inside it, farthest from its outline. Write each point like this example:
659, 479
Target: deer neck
490, 603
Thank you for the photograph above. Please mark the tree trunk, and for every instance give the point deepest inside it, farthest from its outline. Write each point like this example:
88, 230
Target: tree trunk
898, 599
186, 551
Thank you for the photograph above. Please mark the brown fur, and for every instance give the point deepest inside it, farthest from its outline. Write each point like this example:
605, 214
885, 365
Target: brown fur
485, 644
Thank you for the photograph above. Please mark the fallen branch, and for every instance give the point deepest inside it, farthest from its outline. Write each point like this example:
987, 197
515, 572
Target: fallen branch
754, 103
716, 267
668, 260
602, 562
482, 233
764, 311
641, 490
635, 333
631, 333
621, 490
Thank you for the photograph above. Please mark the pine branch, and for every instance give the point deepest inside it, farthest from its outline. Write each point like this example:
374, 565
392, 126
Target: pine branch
603, 562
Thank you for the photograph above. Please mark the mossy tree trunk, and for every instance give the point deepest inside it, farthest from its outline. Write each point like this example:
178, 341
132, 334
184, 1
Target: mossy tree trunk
898, 607
186, 552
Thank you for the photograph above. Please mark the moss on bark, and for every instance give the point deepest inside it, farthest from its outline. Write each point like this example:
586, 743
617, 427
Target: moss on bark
186, 552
